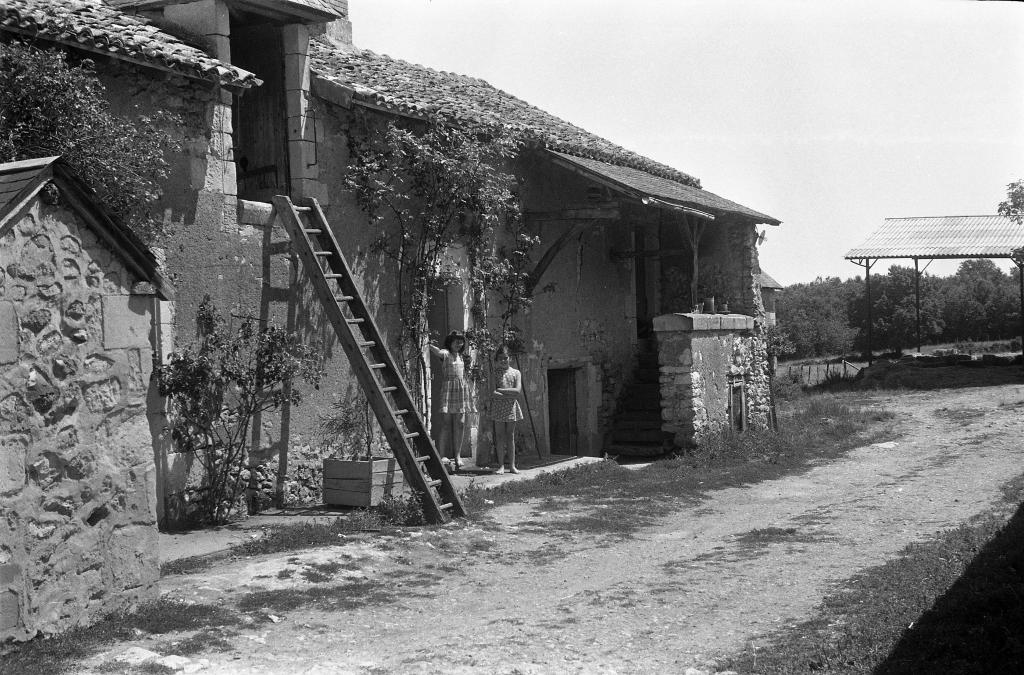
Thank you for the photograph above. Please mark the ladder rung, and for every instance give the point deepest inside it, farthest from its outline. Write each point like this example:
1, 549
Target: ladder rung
344, 298
335, 276
422, 458
445, 506
388, 390
403, 411
434, 483
378, 366
354, 320
368, 344
302, 209
312, 231
322, 253
412, 434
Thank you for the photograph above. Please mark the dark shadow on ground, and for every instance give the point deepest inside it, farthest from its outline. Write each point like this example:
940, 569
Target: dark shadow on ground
977, 626
65, 653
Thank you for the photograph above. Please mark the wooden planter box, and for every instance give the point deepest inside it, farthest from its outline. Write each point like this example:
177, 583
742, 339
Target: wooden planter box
361, 482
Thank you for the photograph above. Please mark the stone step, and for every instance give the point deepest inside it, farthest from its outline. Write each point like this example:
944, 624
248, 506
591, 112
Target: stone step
636, 449
634, 436
647, 423
643, 388
642, 401
648, 375
639, 416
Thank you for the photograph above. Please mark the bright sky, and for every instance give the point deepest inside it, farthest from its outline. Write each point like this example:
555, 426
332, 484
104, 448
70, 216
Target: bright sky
830, 116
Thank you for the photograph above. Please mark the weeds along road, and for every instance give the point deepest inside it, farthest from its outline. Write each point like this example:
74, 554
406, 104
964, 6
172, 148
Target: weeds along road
536, 590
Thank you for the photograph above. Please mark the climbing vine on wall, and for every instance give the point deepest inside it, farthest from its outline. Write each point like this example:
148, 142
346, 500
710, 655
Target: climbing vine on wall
432, 188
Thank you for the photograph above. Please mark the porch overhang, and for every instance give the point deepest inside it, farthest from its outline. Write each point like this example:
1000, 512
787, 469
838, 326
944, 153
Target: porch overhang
657, 191
301, 11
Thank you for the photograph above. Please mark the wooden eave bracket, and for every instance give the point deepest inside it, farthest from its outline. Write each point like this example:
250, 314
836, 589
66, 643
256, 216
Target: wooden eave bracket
556, 246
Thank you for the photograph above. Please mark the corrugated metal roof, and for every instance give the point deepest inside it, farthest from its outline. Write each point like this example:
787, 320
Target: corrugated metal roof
942, 237
662, 188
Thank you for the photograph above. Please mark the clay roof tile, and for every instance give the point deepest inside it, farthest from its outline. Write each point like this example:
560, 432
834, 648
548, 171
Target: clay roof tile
96, 25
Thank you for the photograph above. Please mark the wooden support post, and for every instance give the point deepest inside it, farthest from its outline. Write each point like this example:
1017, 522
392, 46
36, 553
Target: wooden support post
917, 303
1018, 258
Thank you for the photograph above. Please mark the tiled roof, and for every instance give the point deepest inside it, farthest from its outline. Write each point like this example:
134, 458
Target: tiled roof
95, 25
21, 182
412, 89
647, 185
335, 8
766, 281
942, 237
16, 177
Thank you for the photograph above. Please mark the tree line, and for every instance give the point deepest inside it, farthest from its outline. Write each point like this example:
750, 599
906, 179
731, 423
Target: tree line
828, 316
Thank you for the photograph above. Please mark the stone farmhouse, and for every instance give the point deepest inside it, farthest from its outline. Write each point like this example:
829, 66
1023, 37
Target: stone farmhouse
271, 92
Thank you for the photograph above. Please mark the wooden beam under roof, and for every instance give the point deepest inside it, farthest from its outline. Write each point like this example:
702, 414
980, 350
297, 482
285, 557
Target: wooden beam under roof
589, 212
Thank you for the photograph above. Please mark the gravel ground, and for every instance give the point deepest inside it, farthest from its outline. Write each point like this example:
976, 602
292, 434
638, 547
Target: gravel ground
524, 592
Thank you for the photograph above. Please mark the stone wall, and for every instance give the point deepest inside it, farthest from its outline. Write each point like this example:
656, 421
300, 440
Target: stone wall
701, 358
78, 535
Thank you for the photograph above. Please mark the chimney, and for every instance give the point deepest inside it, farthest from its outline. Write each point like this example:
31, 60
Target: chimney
338, 31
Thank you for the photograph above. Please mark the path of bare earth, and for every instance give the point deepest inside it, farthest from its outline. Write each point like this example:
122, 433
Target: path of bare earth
525, 593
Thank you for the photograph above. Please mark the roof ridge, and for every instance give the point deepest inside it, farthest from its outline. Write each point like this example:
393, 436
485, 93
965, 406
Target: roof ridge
980, 215
390, 82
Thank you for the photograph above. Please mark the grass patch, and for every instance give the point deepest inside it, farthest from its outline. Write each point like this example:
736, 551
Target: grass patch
954, 604
318, 573
202, 642
64, 653
339, 597
962, 416
896, 375
193, 564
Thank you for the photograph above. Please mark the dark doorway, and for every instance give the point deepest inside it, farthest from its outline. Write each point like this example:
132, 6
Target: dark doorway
642, 271
259, 117
563, 432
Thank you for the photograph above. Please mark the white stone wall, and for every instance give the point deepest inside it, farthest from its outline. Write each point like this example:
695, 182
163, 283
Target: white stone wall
78, 532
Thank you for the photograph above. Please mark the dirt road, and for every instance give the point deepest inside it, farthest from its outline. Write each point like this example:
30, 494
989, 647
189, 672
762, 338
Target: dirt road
521, 594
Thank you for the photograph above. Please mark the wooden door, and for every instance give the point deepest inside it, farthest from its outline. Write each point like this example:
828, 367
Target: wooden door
563, 432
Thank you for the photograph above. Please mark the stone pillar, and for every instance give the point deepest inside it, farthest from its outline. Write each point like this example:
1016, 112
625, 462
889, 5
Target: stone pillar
701, 357
743, 248
208, 19
213, 167
303, 134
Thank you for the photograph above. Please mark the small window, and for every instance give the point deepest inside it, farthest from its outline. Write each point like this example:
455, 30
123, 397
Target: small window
737, 405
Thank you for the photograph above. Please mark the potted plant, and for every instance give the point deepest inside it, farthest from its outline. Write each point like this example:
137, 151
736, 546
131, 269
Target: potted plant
361, 472
361, 481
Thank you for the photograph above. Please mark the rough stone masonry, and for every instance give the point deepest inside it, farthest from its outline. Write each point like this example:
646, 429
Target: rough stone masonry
77, 531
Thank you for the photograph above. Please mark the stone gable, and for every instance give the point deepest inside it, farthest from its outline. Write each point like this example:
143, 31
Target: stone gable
78, 536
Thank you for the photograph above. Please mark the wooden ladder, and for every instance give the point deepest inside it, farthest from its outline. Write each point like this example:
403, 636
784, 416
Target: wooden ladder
374, 367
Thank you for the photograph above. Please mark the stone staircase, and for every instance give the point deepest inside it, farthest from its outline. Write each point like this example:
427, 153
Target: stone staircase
636, 426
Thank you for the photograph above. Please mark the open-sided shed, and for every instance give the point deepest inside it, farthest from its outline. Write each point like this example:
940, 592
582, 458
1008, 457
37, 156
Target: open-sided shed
940, 237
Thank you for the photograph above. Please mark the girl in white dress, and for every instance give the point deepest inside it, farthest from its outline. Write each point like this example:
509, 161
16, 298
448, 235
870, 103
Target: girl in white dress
503, 408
